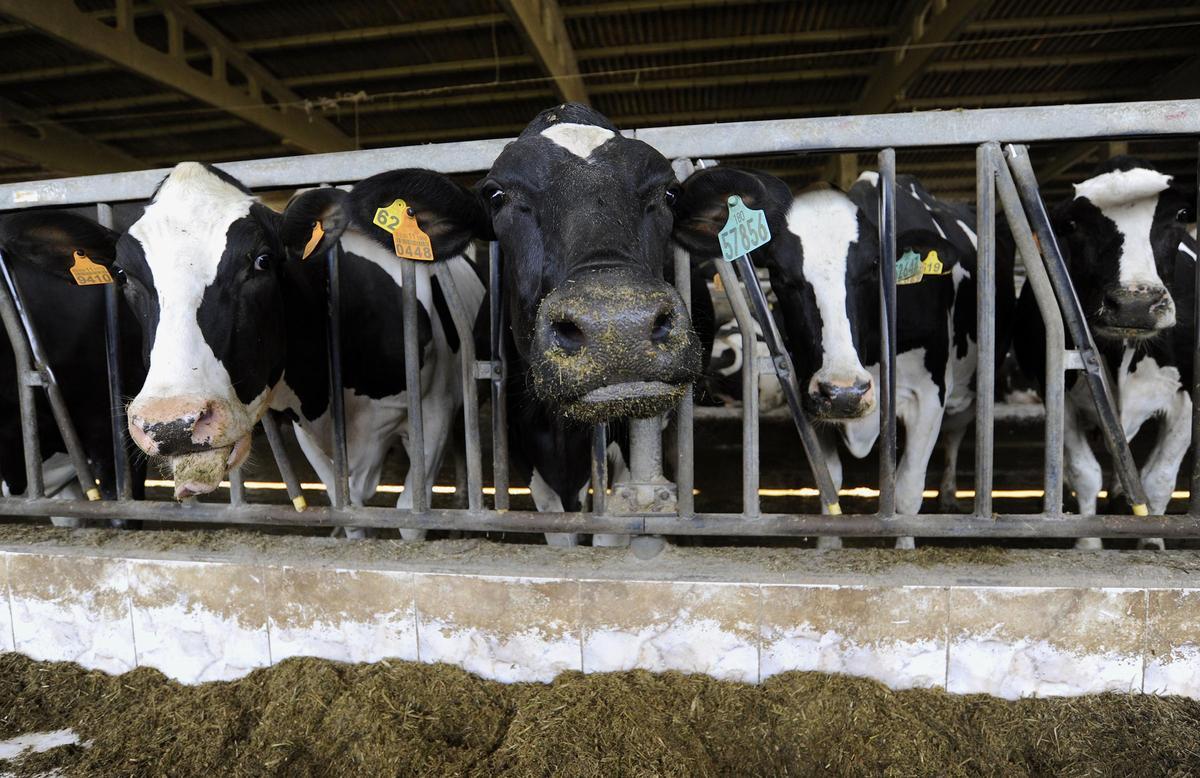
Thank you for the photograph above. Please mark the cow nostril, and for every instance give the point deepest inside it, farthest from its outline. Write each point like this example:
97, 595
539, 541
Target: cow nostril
568, 336
661, 329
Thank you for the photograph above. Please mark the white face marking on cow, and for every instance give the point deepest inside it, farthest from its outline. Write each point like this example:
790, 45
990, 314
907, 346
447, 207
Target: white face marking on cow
870, 176
1129, 198
968, 232
183, 234
826, 222
1186, 250
579, 139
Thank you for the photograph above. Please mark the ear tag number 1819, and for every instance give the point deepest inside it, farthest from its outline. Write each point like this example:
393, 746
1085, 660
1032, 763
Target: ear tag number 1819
745, 230
409, 241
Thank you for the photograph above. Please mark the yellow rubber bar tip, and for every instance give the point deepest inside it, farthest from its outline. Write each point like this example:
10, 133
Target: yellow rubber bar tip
1141, 510
300, 503
93, 494
835, 509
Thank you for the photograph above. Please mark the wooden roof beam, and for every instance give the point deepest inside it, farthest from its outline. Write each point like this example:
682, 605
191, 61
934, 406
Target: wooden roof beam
540, 23
58, 149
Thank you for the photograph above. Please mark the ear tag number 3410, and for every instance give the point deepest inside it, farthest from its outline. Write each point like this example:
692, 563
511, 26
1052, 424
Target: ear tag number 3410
408, 239
745, 230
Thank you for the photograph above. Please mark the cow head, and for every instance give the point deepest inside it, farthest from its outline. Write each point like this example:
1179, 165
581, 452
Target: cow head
583, 215
1119, 235
202, 269
823, 257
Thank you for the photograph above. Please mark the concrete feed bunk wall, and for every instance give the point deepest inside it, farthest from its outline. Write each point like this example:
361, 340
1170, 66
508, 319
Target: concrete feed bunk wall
210, 606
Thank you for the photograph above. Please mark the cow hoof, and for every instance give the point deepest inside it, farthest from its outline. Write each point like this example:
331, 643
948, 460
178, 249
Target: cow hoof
412, 535
608, 540
906, 543
562, 539
1089, 544
1151, 544
828, 543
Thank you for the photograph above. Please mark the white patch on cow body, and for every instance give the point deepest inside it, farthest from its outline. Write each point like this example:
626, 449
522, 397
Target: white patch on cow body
579, 139
970, 233
183, 235
1147, 390
1187, 250
826, 222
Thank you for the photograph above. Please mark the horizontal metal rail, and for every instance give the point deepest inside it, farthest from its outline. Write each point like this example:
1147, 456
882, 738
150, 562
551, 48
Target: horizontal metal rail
719, 524
772, 136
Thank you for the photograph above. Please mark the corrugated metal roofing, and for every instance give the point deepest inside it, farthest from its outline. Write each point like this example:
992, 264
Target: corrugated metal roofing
466, 71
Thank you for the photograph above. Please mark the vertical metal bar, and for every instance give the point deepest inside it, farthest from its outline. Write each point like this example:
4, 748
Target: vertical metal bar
26, 375
58, 404
412, 373
470, 393
337, 401
985, 327
116, 391
685, 471
237, 487
741, 312
271, 427
599, 469
1094, 370
785, 371
887, 333
499, 378
1194, 502
1035, 274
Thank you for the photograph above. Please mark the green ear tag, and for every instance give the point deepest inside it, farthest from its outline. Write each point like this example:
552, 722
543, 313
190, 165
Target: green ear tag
908, 268
745, 230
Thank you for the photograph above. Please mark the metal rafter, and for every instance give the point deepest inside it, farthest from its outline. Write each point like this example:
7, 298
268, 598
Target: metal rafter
31, 137
540, 23
61, 19
926, 22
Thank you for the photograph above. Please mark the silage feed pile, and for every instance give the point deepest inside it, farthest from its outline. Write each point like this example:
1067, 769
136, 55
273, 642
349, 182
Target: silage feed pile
307, 717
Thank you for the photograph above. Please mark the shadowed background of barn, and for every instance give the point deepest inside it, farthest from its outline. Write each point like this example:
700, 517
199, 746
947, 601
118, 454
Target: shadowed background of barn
96, 86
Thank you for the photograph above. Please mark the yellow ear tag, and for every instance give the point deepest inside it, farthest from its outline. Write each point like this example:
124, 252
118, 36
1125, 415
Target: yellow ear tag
88, 273
408, 239
932, 265
318, 232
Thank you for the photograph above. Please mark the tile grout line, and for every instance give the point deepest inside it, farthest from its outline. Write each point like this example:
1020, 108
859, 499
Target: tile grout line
8, 598
267, 615
758, 638
412, 583
1145, 634
946, 674
579, 619
129, 603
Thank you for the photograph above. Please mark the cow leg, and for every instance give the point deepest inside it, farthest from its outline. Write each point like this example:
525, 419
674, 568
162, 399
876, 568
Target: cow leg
618, 470
321, 463
954, 429
438, 411
548, 501
833, 461
1082, 470
1161, 471
58, 478
922, 419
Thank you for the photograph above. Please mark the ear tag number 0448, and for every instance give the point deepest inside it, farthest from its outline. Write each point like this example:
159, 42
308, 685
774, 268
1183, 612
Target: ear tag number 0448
745, 230
88, 273
407, 238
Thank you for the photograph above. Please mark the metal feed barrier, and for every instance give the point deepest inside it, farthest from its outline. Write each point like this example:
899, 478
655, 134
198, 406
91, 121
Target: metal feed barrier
648, 504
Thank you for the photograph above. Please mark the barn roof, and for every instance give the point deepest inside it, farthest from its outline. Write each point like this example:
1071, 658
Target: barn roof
97, 85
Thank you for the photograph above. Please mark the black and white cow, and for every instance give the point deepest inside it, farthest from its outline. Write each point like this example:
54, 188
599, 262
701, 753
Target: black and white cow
234, 321
725, 368
1132, 262
823, 259
584, 216
70, 322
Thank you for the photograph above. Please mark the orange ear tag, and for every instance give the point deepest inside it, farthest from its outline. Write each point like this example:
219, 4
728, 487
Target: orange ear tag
409, 240
88, 273
318, 232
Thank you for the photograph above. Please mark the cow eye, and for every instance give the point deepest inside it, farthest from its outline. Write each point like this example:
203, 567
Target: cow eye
119, 276
1183, 215
496, 198
262, 262
670, 196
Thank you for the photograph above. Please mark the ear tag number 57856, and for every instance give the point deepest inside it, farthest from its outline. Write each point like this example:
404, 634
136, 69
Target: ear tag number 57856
745, 230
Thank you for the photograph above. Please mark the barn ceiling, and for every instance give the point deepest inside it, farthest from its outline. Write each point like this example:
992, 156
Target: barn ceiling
97, 85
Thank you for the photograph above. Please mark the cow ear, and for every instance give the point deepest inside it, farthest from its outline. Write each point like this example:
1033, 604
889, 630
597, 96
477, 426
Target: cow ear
448, 213
54, 241
313, 221
702, 207
923, 241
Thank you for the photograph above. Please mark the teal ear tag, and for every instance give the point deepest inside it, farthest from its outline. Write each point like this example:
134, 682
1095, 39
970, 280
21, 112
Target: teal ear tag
908, 268
745, 230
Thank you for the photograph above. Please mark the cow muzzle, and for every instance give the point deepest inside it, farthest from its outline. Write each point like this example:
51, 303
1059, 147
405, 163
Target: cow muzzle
201, 438
840, 399
609, 346
1134, 312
